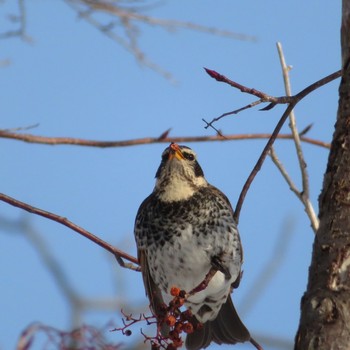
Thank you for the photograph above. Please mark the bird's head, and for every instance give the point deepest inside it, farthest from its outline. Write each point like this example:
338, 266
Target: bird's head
179, 175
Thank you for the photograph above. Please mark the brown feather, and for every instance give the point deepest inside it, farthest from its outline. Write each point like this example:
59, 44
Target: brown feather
153, 292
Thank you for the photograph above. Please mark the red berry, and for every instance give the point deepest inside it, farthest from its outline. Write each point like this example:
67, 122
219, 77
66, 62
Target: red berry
174, 291
170, 320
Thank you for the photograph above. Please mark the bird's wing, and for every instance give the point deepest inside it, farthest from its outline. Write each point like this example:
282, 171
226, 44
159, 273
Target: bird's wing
216, 261
153, 292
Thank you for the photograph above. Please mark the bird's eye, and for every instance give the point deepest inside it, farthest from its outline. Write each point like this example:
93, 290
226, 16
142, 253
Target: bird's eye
188, 156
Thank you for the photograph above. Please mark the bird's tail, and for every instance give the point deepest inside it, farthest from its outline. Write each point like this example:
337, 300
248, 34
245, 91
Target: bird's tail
227, 328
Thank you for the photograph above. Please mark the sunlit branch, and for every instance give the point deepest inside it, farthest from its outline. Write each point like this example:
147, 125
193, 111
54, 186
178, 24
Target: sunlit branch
119, 255
164, 138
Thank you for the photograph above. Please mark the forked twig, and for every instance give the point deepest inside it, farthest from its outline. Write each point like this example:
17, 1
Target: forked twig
121, 23
292, 101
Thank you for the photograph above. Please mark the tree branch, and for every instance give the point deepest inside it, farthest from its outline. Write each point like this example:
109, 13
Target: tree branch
292, 101
30, 138
18, 18
119, 255
325, 306
303, 195
121, 23
284, 173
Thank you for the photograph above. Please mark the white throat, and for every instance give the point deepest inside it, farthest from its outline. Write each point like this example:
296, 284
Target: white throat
177, 188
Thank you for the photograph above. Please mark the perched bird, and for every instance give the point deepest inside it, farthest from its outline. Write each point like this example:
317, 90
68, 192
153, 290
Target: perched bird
183, 229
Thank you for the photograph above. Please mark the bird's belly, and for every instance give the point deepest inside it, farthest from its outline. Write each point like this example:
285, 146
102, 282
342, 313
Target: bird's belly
184, 261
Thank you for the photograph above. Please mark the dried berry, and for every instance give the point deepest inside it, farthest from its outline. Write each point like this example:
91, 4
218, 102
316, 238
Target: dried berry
170, 320
178, 327
188, 327
174, 291
173, 335
186, 315
199, 326
178, 343
178, 302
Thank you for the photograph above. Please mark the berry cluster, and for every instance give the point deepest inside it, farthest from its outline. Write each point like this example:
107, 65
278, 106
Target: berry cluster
172, 318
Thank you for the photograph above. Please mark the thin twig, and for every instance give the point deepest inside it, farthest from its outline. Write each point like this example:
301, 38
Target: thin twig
284, 173
263, 97
306, 201
122, 25
292, 123
251, 91
293, 102
78, 302
119, 255
304, 195
164, 138
21, 18
128, 14
130, 44
236, 111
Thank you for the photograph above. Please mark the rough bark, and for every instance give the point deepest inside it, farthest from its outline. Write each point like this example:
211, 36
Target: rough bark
325, 306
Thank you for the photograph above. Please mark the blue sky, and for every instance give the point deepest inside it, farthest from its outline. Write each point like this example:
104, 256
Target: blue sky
74, 81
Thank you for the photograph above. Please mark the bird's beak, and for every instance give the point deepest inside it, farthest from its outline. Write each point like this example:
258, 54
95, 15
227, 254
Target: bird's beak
175, 151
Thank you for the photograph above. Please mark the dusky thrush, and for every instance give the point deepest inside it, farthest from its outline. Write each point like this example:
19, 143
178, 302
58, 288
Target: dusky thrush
183, 229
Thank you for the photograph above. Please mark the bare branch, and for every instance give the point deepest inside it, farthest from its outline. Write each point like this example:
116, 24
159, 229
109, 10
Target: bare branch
78, 302
131, 14
305, 200
84, 337
119, 255
130, 43
236, 111
304, 195
251, 91
284, 173
121, 23
265, 97
261, 160
292, 101
21, 19
164, 138
292, 123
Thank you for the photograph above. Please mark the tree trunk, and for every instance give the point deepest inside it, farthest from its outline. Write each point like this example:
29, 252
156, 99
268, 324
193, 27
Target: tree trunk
325, 306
